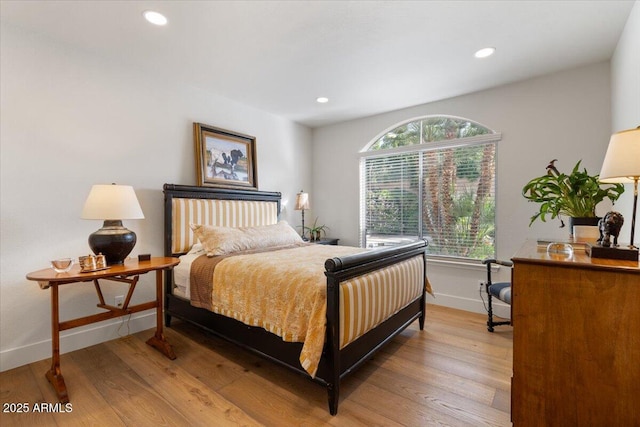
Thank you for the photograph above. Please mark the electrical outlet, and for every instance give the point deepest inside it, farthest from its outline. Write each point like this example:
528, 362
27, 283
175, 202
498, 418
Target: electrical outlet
480, 285
119, 301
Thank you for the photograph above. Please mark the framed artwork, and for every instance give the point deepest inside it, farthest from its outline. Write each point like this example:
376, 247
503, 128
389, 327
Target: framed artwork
225, 158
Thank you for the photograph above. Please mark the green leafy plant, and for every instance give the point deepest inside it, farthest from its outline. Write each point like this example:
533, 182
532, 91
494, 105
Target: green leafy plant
316, 231
574, 195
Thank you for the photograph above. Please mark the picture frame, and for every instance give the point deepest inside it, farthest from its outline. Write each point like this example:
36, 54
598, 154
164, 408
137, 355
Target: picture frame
225, 158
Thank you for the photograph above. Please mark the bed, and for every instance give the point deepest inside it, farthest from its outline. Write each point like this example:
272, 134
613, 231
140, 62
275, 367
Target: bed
350, 318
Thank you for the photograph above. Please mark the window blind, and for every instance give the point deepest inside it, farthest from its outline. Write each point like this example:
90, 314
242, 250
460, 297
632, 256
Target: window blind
391, 199
443, 194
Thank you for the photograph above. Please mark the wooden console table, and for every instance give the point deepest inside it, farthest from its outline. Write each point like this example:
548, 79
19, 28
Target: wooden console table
129, 273
576, 340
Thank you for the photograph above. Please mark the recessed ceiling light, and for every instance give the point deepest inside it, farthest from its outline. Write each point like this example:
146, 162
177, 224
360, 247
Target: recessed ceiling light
155, 17
483, 53
322, 100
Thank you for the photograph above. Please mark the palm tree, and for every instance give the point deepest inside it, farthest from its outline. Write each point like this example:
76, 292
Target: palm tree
442, 195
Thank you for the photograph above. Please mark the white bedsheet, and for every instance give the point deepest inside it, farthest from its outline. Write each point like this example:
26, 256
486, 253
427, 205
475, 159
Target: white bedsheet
182, 272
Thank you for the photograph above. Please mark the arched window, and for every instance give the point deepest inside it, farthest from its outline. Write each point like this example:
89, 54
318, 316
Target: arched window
431, 178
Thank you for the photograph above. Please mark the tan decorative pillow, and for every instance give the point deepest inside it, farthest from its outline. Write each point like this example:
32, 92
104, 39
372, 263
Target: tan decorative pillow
226, 240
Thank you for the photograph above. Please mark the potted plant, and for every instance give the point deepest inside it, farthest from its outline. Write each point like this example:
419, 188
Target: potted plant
316, 231
575, 195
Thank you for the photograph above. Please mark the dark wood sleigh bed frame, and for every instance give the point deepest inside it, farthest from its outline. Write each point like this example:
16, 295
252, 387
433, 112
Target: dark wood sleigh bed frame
335, 364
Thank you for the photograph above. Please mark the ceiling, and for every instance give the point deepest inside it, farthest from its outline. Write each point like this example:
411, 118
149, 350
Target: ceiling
367, 57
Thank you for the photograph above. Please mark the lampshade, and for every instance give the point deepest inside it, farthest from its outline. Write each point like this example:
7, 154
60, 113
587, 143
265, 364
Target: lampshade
111, 201
622, 164
622, 161
302, 201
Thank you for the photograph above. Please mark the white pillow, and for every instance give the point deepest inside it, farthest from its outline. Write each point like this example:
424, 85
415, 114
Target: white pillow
196, 249
226, 240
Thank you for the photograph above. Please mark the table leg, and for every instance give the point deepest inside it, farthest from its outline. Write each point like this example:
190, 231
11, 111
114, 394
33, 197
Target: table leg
54, 375
158, 341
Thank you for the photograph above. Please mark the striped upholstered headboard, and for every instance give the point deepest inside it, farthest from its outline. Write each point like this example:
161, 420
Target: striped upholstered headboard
185, 205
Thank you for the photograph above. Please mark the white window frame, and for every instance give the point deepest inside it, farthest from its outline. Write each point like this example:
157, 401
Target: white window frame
489, 138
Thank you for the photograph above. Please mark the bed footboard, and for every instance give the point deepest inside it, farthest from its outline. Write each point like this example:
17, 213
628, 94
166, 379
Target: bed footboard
340, 362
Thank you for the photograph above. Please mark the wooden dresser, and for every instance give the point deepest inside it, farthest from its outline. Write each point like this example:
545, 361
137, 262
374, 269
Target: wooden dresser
576, 340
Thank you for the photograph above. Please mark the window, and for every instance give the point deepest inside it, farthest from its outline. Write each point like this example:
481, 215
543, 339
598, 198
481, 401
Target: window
431, 178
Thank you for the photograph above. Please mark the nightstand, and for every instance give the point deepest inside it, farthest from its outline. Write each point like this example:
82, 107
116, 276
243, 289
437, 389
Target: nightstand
325, 241
129, 273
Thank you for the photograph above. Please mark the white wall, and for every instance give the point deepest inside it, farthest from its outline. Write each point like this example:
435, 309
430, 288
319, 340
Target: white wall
565, 116
625, 102
70, 120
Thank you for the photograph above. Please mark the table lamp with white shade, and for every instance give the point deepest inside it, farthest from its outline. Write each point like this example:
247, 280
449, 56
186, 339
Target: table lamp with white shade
622, 165
302, 203
112, 203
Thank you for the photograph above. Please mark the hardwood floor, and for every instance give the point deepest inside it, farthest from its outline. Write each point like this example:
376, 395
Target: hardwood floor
454, 373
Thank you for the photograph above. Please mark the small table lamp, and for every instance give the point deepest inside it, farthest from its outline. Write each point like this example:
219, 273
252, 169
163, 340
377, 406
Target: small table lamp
302, 203
112, 203
622, 164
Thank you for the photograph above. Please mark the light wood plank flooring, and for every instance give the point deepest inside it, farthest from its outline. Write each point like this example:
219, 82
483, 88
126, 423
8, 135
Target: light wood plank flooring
454, 373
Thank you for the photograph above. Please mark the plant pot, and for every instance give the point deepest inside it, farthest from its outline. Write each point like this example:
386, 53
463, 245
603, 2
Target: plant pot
592, 220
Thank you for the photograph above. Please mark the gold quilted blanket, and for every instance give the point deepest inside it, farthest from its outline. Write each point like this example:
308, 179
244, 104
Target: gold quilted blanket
282, 291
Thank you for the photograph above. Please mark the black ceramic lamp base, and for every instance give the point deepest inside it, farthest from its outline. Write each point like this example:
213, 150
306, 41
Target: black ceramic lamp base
114, 241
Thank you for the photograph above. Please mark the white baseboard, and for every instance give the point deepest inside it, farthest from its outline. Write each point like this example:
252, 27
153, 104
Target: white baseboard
76, 339
473, 305
109, 330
